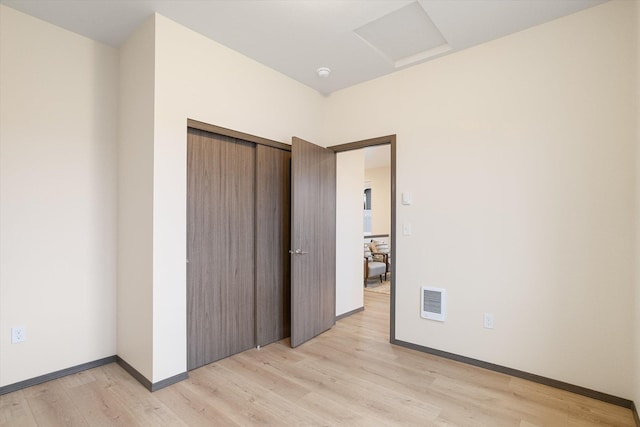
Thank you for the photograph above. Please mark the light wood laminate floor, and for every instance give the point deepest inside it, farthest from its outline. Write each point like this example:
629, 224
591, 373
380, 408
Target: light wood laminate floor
349, 376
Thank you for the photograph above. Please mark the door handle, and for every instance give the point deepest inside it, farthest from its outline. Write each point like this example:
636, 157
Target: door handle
298, 252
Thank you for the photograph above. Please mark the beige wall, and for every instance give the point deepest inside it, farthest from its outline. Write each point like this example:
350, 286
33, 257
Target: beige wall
58, 116
349, 225
380, 179
135, 200
520, 156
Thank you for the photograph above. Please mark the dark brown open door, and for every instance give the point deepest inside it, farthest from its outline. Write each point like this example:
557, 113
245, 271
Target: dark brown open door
313, 240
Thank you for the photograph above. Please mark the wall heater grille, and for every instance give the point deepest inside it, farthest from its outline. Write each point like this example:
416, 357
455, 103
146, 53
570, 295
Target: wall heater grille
433, 303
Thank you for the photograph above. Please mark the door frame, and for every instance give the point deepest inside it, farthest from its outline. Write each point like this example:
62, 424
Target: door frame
373, 142
236, 134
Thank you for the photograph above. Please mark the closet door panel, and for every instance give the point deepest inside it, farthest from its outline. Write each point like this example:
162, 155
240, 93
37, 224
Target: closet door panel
273, 195
220, 247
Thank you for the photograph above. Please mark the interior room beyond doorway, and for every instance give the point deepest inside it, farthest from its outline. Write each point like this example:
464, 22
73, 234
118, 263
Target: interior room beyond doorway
365, 165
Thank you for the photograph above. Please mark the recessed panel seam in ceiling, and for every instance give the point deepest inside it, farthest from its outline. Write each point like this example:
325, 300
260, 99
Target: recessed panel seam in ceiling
404, 36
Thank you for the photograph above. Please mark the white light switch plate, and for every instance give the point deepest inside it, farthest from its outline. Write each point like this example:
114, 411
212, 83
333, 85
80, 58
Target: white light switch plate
406, 229
488, 321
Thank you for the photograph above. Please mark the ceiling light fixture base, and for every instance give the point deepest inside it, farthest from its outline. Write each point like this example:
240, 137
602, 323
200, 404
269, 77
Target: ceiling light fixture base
323, 72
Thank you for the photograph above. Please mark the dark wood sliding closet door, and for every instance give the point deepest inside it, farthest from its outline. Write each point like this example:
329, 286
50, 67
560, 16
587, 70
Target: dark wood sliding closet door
273, 231
220, 247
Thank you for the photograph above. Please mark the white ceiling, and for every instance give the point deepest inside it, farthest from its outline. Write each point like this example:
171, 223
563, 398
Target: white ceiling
357, 39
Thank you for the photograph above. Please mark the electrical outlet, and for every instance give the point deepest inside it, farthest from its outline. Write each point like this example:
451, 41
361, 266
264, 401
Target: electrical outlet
488, 321
18, 334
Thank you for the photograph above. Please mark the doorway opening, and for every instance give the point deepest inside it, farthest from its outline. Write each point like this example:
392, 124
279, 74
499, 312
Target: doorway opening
355, 152
377, 218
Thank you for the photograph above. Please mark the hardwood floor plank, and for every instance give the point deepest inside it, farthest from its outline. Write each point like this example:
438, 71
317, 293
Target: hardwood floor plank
143, 408
349, 376
15, 411
383, 402
249, 404
252, 367
97, 404
50, 406
336, 415
191, 404
275, 375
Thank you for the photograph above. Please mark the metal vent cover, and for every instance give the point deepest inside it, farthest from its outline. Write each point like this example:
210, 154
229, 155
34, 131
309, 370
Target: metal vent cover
433, 303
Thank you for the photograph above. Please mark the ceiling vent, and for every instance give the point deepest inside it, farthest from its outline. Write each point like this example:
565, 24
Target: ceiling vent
433, 303
405, 36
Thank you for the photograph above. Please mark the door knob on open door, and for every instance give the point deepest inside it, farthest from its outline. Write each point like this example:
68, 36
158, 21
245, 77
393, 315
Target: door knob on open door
298, 252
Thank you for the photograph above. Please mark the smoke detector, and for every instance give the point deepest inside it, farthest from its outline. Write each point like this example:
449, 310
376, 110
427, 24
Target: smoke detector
323, 72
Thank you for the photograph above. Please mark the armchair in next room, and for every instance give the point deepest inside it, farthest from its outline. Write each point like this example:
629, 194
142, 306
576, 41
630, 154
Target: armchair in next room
381, 252
373, 267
